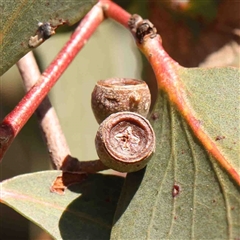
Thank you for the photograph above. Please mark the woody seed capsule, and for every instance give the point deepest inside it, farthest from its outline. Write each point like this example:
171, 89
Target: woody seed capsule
120, 94
125, 141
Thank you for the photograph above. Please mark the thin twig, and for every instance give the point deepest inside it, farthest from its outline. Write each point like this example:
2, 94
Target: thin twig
56, 142
73, 165
112, 10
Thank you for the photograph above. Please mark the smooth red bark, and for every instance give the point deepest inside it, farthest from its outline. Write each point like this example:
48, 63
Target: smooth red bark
166, 72
16, 119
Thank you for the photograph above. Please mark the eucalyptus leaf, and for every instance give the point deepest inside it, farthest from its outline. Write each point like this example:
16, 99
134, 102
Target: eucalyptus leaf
183, 193
85, 211
19, 21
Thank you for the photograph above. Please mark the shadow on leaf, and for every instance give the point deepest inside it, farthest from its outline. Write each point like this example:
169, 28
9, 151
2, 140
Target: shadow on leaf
130, 187
90, 216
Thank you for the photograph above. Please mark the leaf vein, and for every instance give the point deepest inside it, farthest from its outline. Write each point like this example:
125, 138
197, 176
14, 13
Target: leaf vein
195, 173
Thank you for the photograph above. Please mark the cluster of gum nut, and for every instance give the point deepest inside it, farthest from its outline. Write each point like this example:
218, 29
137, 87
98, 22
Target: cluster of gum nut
125, 140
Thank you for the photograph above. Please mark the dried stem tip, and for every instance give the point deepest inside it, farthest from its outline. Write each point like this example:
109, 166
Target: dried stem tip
118, 95
125, 141
141, 28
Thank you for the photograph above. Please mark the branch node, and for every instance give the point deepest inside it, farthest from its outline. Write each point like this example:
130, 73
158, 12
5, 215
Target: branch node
141, 28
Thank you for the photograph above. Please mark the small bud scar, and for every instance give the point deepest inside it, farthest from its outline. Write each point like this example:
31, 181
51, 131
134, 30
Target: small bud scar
45, 31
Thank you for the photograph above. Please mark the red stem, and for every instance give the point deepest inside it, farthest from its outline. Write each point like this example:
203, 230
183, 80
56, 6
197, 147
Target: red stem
166, 72
115, 12
15, 120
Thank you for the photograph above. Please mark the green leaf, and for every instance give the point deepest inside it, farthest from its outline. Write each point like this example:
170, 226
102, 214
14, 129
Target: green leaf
214, 95
183, 193
19, 21
85, 211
